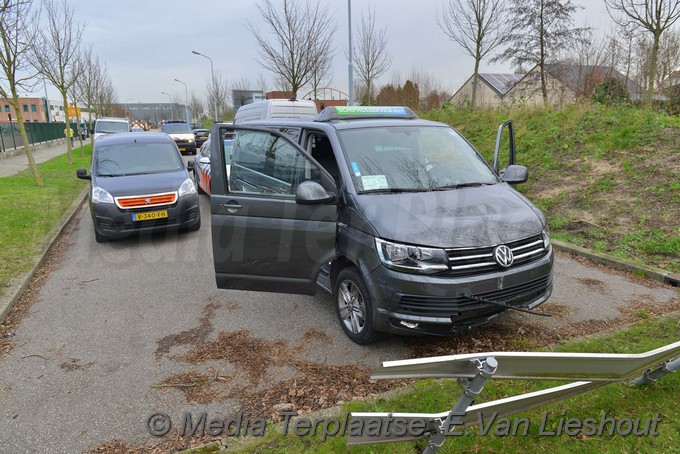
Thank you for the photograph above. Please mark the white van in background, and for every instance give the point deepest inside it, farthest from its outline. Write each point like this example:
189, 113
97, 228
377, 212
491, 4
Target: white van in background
109, 125
276, 109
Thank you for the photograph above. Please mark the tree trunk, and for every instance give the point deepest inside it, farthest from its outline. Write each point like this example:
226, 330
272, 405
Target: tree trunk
475, 82
28, 148
652, 71
68, 126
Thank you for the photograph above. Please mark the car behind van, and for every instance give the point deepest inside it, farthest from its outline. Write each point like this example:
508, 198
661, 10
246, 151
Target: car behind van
400, 219
110, 125
276, 109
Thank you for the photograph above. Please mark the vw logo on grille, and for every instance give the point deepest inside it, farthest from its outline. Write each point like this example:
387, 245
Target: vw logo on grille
148, 202
503, 256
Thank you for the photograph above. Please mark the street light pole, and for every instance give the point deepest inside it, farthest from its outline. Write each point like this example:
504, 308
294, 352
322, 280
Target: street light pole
214, 84
186, 100
172, 112
350, 67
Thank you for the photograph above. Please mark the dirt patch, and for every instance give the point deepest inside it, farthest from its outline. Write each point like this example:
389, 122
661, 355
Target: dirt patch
29, 297
593, 284
198, 388
313, 334
311, 387
74, 364
191, 336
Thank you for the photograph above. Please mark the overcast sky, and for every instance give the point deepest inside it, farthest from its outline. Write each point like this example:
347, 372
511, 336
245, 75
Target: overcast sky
146, 44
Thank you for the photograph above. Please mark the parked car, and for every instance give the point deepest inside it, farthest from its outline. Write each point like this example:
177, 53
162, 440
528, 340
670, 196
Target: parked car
202, 163
399, 218
201, 135
139, 183
180, 132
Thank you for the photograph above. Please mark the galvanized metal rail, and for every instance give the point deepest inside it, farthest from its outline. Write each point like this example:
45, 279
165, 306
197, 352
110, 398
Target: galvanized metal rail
591, 370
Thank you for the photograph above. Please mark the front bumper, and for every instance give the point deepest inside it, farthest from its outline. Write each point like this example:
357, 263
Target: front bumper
419, 304
114, 222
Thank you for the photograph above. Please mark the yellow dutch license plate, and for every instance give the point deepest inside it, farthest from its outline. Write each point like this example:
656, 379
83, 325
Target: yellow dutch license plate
150, 216
182, 149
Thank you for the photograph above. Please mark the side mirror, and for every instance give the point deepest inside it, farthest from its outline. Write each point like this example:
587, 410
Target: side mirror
191, 165
204, 160
514, 174
82, 174
312, 193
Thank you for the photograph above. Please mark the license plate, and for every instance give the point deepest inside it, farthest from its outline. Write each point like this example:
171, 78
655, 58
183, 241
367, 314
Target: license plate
150, 216
182, 149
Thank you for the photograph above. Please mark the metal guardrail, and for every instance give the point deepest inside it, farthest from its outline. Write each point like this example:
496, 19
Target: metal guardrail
592, 370
36, 132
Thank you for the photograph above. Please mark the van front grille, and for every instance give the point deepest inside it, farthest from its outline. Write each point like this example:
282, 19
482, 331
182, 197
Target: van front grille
469, 261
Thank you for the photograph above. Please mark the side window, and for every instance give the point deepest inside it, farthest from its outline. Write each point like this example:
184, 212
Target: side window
263, 163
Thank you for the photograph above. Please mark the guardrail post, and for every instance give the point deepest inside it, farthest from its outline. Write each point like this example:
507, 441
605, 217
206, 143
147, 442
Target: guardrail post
472, 389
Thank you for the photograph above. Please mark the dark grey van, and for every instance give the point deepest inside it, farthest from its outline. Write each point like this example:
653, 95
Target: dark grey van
399, 218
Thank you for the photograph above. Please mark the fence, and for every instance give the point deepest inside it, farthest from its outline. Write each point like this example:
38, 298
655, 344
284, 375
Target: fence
36, 132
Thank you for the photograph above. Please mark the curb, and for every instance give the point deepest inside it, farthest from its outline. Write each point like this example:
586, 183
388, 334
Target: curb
16, 287
618, 263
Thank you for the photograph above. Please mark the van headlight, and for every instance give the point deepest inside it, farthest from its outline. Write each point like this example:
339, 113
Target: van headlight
546, 238
411, 259
100, 195
187, 188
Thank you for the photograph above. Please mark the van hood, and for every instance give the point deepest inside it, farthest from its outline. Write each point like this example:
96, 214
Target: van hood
151, 183
465, 217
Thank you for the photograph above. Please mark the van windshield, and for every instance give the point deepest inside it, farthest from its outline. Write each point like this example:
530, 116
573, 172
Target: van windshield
136, 159
412, 158
108, 127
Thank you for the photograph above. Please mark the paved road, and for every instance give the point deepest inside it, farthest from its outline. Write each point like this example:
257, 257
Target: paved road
113, 319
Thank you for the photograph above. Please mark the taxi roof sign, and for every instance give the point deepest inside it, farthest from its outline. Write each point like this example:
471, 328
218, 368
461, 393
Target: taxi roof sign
365, 112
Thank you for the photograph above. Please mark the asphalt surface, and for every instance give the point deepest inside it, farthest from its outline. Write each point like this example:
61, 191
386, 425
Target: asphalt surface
88, 354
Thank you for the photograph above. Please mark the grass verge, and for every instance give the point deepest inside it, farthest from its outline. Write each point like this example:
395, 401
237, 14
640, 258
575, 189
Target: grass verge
28, 212
618, 400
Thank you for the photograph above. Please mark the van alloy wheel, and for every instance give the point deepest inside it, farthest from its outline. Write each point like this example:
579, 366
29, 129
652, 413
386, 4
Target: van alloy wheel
354, 307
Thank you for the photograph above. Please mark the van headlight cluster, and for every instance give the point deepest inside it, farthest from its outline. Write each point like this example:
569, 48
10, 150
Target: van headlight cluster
187, 188
546, 238
101, 195
411, 259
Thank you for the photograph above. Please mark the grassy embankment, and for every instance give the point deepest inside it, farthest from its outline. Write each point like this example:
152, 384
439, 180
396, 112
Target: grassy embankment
607, 178
28, 212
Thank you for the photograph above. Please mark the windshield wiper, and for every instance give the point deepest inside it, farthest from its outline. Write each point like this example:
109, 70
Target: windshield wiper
460, 185
393, 190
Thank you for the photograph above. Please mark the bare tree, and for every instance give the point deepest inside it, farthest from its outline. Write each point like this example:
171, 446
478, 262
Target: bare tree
262, 84
55, 53
219, 93
89, 84
197, 106
302, 35
14, 21
478, 26
654, 16
370, 57
539, 30
669, 56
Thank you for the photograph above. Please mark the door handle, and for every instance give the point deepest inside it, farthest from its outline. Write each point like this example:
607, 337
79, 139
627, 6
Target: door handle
231, 206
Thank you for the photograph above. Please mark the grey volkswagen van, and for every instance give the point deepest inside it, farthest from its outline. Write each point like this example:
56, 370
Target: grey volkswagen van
399, 218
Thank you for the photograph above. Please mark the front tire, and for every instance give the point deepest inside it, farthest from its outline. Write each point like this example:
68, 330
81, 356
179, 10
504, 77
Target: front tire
99, 238
354, 307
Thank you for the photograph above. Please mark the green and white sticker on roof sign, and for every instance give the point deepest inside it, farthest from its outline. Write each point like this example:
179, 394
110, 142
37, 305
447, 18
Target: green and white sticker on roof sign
370, 110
